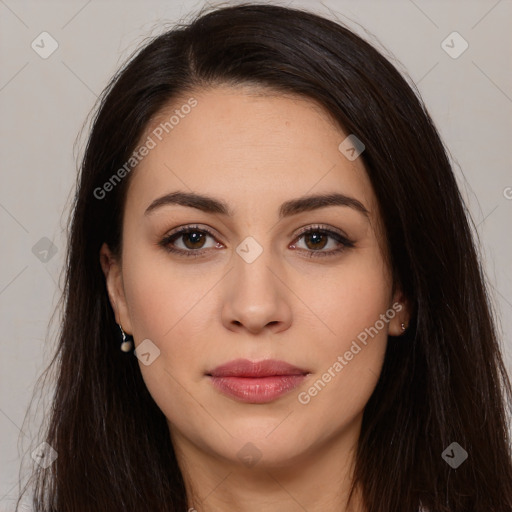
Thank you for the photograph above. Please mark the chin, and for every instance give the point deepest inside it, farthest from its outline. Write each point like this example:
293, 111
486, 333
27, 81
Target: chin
263, 451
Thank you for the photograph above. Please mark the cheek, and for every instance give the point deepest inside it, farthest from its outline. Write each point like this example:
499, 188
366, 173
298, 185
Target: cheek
178, 307
348, 362
171, 308
174, 304
349, 355
346, 298
159, 293
164, 306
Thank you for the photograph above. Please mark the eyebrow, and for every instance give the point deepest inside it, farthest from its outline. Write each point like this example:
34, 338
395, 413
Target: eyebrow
292, 207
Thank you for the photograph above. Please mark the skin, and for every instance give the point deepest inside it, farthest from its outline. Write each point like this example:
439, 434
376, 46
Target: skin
255, 149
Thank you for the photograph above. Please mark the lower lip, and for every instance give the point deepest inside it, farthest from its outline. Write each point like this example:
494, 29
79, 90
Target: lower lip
257, 390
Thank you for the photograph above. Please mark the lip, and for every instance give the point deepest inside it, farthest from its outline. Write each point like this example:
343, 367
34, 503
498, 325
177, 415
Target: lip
256, 381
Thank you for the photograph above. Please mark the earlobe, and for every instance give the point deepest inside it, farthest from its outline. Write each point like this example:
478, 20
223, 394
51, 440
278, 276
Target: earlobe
399, 323
114, 283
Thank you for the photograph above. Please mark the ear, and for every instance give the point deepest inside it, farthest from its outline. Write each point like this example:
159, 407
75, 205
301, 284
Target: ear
114, 281
401, 307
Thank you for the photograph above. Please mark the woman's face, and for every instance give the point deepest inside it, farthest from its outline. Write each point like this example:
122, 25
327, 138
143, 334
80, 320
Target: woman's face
254, 287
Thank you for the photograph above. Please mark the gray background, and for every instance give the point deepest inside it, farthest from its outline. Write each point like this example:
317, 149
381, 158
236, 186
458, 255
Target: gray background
44, 103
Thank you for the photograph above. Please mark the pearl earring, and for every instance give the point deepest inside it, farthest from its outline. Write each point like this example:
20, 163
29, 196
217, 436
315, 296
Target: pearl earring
402, 326
127, 343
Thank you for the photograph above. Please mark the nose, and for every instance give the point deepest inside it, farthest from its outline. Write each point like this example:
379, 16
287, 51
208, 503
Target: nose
256, 296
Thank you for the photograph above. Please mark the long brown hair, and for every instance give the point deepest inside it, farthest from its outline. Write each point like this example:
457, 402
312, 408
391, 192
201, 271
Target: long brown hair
444, 381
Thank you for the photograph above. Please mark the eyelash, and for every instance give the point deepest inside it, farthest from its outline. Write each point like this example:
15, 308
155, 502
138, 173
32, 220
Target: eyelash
167, 240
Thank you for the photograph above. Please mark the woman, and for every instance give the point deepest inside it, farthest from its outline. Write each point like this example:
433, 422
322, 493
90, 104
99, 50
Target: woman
267, 219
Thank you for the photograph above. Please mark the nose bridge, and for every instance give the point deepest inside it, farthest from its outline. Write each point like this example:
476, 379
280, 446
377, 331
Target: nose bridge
256, 296
252, 264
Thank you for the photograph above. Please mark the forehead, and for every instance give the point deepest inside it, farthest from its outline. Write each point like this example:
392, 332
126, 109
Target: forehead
249, 146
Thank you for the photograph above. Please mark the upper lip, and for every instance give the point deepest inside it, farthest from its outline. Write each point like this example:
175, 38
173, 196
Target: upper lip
264, 368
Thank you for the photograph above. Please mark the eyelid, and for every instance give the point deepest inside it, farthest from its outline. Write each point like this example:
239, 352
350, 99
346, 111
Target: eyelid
191, 227
343, 241
340, 237
302, 230
322, 227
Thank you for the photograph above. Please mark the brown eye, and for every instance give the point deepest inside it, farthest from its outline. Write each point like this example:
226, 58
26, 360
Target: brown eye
193, 239
189, 241
316, 240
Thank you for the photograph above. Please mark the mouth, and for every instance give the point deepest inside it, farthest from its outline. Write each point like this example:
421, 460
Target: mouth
256, 381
